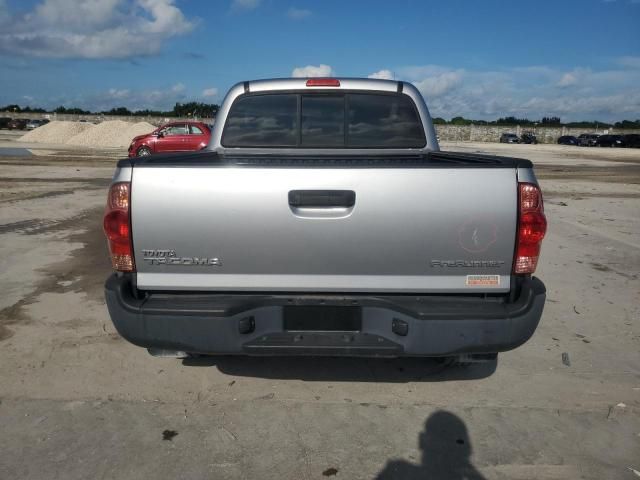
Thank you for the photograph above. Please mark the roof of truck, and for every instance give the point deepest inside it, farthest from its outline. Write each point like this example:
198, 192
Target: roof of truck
343, 83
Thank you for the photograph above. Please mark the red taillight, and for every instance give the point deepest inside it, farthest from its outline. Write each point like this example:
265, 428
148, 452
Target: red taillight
117, 227
323, 82
532, 226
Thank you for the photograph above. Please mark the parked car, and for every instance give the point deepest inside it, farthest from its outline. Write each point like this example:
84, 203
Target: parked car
632, 140
567, 140
587, 139
172, 137
4, 122
610, 141
528, 138
33, 124
509, 138
283, 236
18, 124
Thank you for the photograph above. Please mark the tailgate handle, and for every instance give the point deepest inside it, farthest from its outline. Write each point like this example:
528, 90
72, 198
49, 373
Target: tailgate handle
322, 198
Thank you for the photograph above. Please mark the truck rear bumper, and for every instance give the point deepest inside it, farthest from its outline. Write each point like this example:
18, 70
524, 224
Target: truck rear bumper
394, 325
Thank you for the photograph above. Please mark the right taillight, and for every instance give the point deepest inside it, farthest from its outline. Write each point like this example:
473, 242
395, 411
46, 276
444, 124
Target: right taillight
532, 226
117, 227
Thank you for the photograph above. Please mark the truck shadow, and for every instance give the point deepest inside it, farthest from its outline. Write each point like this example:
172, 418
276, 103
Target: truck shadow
345, 369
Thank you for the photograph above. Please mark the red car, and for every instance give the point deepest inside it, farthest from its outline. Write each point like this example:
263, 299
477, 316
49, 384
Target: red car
171, 137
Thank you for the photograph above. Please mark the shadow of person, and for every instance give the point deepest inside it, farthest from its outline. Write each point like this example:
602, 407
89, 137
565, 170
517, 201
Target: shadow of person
446, 452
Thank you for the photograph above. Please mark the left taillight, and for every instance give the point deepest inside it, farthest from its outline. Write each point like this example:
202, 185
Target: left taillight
117, 226
532, 227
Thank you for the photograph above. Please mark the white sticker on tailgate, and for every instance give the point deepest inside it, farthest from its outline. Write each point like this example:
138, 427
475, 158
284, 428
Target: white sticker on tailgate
483, 280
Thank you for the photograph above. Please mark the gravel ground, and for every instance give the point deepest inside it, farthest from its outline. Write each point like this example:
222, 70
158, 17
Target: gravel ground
79, 402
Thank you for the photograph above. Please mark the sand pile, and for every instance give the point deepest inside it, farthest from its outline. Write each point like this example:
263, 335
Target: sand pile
100, 135
56, 132
133, 130
111, 133
108, 134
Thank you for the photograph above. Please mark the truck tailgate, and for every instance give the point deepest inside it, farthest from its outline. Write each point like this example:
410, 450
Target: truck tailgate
402, 230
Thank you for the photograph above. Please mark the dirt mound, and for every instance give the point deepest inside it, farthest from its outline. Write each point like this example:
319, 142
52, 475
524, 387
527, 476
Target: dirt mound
111, 134
108, 134
134, 129
56, 132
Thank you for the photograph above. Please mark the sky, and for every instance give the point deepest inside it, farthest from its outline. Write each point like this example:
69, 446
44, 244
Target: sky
481, 59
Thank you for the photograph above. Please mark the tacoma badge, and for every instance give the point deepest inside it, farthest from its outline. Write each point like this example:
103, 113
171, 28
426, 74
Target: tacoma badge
169, 257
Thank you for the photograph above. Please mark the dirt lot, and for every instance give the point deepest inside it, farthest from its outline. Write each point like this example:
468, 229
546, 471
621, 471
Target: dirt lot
79, 402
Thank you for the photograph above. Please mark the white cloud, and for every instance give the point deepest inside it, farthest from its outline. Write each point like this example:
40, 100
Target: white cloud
417, 72
210, 92
152, 99
575, 78
167, 18
118, 94
618, 106
178, 87
532, 91
92, 28
438, 85
382, 74
567, 80
321, 70
298, 13
629, 61
245, 4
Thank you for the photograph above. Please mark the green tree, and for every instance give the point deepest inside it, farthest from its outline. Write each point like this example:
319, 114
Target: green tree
71, 110
589, 124
512, 121
628, 124
547, 121
12, 108
33, 110
152, 113
460, 121
122, 111
195, 109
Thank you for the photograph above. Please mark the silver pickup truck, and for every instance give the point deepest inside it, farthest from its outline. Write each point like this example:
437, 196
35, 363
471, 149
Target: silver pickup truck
323, 219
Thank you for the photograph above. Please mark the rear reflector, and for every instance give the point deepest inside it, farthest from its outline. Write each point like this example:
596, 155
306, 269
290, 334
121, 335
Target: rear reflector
323, 82
532, 226
117, 227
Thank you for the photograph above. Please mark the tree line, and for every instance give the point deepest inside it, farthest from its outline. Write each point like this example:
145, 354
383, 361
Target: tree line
544, 122
209, 110
190, 109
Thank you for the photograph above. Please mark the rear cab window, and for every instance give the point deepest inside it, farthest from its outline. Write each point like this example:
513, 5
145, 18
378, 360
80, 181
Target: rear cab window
324, 120
262, 121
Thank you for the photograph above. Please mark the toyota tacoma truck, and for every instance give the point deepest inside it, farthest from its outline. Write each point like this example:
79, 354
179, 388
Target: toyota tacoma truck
323, 219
